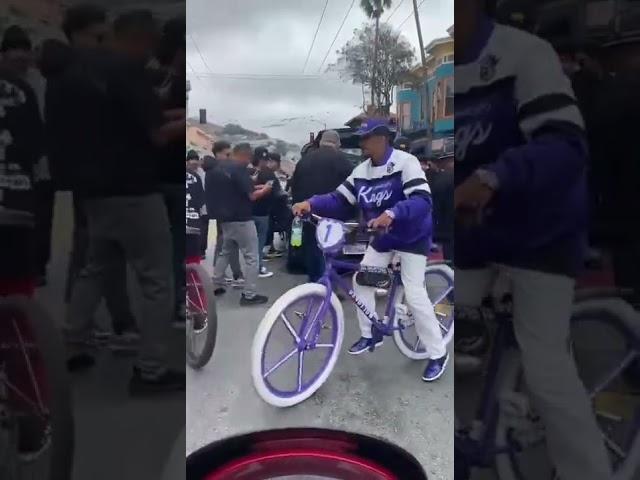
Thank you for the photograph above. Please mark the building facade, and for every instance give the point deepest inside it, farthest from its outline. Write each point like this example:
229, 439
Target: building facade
440, 91
425, 99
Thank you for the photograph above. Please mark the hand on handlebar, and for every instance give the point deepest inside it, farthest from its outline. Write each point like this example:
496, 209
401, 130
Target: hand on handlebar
472, 194
301, 209
471, 199
383, 222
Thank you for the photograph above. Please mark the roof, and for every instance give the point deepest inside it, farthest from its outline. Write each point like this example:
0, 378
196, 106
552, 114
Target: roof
437, 41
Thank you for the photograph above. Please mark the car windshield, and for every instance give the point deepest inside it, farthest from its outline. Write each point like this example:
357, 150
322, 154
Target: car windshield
354, 154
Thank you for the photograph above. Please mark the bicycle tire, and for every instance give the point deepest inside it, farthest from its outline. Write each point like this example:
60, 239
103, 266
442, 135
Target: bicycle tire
51, 346
198, 360
262, 335
447, 272
609, 310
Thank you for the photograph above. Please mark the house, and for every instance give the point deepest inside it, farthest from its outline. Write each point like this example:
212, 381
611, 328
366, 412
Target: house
425, 97
440, 82
198, 139
411, 100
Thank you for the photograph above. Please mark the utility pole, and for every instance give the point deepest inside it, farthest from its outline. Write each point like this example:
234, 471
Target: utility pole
423, 54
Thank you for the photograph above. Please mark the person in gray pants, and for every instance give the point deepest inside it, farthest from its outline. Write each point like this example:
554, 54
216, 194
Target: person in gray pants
232, 193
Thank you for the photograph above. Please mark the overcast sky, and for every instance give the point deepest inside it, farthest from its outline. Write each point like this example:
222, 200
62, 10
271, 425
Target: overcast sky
273, 37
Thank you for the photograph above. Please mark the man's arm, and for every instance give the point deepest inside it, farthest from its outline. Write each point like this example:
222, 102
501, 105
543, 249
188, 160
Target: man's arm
556, 152
336, 204
418, 203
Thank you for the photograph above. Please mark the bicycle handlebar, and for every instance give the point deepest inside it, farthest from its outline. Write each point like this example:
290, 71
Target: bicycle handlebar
349, 225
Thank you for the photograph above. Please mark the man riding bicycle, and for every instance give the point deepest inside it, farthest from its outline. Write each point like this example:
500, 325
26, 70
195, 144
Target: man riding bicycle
520, 179
392, 192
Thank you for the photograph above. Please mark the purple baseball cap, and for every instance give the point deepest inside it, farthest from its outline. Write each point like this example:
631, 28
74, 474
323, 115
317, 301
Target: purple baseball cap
374, 126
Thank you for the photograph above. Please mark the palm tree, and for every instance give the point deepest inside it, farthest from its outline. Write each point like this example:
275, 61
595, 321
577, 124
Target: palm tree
374, 9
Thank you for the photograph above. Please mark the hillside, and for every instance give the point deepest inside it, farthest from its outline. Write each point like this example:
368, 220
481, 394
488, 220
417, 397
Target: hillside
201, 137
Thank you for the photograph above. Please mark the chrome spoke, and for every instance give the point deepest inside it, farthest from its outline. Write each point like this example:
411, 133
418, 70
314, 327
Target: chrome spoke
280, 363
300, 369
292, 330
325, 345
32, 375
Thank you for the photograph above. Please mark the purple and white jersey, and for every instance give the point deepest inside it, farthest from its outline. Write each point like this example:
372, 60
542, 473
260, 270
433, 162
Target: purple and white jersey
399, 185
516, 116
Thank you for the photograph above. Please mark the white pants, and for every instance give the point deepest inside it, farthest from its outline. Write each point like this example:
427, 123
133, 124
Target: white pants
413, 268
542, 305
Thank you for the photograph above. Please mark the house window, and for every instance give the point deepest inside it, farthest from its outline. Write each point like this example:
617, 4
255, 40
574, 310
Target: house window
434, 104
448, 58
448, 97
405, 115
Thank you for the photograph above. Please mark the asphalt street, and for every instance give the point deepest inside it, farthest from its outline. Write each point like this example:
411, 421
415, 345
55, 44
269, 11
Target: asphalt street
377, 393
113, 434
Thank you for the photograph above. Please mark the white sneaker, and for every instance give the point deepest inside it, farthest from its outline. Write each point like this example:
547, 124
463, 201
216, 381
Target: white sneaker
264, 273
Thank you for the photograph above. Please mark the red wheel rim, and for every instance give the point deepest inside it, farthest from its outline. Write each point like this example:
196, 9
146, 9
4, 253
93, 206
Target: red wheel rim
264, 466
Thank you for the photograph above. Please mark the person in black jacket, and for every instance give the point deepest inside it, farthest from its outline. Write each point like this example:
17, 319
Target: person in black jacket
85, 27
20, 146
168, 71
123, 126
441, 181
318, 172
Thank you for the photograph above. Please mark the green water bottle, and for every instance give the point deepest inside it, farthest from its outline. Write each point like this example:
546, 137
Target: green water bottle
296, 232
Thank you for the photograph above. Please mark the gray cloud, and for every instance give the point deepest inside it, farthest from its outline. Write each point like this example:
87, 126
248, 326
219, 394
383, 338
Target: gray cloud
273, 37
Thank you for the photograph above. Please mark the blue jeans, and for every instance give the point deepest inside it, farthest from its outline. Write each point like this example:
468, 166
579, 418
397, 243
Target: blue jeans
262, 226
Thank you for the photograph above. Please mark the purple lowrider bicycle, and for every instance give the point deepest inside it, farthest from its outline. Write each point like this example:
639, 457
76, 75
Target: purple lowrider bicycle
299, 339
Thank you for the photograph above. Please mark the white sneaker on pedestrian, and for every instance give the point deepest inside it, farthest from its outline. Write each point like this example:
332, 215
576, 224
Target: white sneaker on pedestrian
238, 283
264, 273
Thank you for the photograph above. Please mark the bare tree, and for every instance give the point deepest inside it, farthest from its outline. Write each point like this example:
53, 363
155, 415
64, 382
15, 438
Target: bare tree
395, 55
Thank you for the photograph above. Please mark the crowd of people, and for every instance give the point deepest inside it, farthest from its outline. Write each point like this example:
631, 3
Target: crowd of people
101, 114
243, 194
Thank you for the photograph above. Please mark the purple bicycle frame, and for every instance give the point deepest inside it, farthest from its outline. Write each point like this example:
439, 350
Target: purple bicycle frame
331, 278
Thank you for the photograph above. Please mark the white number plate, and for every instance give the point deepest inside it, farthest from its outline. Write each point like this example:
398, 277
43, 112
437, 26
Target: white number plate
357, 249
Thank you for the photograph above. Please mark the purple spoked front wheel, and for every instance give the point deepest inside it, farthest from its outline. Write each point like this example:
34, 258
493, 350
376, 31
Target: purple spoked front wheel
297, 345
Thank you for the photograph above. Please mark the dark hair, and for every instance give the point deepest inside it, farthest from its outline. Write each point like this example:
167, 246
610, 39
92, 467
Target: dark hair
81, 17
242, 148
172, 40
15, 38
275, 156
193, 155
219, 146
54, 56
135, 21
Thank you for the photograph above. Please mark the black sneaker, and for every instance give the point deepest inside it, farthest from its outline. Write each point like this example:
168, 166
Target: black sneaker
219, 291
169, 381
80, 362
255, 300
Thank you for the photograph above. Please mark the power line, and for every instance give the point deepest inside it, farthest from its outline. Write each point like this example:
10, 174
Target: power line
394, 11
260, 76
199, 52
344, 20
326, 3
410, 15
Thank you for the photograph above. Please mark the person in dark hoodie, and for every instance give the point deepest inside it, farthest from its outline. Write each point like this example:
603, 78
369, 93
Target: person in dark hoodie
85, 27
123, 126
169, 71
520, 190
18, 57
